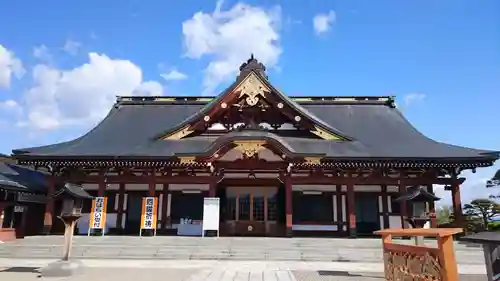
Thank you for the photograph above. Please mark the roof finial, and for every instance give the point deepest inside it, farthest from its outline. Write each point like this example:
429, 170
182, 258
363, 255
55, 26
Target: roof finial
252, 64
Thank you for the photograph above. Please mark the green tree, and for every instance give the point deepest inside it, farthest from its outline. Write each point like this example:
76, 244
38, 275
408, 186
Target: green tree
494, 181
444, 215
483, 209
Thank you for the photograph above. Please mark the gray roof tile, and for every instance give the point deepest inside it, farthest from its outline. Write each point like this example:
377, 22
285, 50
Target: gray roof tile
378, 131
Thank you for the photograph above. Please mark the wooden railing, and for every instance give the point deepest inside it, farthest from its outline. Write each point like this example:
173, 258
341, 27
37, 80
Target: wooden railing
409, 262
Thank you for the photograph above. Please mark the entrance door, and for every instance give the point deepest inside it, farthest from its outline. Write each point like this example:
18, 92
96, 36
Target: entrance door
134, 209
251, 211
367, 218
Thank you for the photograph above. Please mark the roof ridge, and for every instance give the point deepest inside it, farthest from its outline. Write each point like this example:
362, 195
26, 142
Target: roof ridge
143, 100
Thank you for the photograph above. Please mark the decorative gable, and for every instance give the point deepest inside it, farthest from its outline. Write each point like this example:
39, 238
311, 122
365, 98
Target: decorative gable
253, 101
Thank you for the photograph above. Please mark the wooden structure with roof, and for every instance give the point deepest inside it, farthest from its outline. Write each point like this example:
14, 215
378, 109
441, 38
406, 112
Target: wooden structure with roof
22, 200
280, 164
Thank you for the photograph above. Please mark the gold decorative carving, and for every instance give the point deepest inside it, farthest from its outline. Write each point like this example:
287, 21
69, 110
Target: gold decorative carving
324, 134
252, 88
187, 160
177, 135
313, 160
411, 266
249, 147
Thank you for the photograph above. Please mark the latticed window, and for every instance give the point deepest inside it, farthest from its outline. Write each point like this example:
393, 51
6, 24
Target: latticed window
258, 208
231, 208
244, 207
272, 209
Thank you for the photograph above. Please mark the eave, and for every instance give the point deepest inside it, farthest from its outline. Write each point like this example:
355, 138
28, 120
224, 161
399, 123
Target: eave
180, 162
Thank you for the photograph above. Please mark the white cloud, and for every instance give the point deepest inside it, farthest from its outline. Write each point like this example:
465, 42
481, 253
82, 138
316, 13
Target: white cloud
323, 22
228, 37
149, 88
413, 97
9, 65
174, 75
42, 53
10, 106
71, 47
81, 95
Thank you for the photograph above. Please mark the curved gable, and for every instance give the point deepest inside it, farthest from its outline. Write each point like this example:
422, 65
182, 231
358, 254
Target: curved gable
252, 92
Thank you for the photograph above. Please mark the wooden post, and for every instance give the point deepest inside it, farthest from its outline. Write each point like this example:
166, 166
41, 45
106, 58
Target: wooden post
49, 206
447, 257
69, 229
101, 189
288, 205
121, 199
212, 188
164, 206
403, 206
152, 183
457, 204
385, 207
340, 221
432, 208
21, 231
351, 210
444, 254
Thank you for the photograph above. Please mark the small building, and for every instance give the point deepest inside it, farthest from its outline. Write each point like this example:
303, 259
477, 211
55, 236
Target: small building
22, 200
280, 165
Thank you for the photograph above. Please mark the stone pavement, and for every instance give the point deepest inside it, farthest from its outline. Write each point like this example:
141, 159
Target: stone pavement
218, 273
192, 270
223, 248
216, 259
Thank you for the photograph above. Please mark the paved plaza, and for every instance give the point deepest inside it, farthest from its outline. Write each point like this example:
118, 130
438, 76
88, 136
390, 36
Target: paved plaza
223, 248
215, 259
125, 270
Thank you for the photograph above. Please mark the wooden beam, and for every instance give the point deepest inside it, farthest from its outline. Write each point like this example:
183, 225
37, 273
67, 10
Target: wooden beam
374, 181
143, 179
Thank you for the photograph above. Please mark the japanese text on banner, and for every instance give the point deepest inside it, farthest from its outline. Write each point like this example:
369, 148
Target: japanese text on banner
97, 218
149, 212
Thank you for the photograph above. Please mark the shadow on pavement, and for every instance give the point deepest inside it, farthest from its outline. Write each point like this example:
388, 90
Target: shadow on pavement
21, 269
344, 274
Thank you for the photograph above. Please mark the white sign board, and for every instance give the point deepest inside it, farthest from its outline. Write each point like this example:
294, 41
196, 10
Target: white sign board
211, 206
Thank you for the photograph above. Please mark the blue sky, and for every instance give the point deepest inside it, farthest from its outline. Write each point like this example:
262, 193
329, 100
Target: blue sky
62, 62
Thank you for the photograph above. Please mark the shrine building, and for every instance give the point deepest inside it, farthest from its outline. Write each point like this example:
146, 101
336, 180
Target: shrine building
281, 165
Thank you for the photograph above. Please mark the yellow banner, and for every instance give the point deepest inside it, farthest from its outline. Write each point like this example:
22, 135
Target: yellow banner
149, 212
97, 219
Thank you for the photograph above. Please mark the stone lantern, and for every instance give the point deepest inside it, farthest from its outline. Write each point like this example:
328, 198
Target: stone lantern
420, 198
72, 196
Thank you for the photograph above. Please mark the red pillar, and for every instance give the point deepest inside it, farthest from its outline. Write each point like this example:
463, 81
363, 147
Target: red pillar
340, 220
152, 184
212, 189
351, 210
49, 205
164, 206
457, 204
288, 205
121, 199
385, 207
403, 206
101, 189
432, 208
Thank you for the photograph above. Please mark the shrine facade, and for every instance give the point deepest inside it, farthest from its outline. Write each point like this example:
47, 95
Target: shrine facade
281, 165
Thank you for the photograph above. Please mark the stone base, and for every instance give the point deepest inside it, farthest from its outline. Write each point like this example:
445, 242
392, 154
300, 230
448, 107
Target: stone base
352, 233
46, 229
62, 268
7, 234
